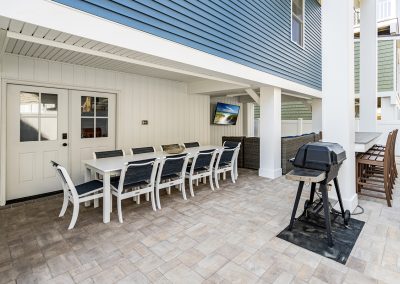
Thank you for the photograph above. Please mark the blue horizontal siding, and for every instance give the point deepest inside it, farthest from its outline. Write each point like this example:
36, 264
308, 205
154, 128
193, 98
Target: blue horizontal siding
254, 33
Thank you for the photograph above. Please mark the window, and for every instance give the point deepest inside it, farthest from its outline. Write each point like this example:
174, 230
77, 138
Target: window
298, 22
94, 115
38, 117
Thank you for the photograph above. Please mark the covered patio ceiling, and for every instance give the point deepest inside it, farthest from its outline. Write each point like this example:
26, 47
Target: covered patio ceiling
25, 39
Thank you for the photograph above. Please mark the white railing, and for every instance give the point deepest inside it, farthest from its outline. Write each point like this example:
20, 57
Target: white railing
289, 127
385, 9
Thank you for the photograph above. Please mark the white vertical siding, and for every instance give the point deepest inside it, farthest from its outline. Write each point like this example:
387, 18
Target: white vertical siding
217, 131
173, 115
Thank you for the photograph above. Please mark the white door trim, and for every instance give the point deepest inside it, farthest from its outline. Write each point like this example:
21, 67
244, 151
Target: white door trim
3, 120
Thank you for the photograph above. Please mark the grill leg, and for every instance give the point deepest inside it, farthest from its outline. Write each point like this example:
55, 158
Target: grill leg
312, 193
335, 180
296, 204
325, 201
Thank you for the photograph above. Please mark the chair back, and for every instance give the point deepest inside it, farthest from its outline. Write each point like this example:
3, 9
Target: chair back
203, 159
137, 172
108, 154
228, 154
231, 144
387, 158
142, 150
191, 144
169, 147
173, 165
65, 179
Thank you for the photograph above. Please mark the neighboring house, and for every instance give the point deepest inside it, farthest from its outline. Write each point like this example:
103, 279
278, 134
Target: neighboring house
79, 76
388, 101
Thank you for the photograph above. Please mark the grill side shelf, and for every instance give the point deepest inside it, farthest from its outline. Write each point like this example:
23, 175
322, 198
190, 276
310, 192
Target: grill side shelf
306, 175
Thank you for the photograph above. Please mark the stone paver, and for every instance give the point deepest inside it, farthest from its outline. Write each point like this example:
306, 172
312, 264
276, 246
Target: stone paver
223, 236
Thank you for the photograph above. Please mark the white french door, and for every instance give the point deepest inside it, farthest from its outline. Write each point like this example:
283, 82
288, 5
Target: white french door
45, 124
92, 127
37, 132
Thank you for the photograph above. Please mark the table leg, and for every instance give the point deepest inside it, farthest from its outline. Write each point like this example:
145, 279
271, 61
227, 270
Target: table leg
106, 197
88, 177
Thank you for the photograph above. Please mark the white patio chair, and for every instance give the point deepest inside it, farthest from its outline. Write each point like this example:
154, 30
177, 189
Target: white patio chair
142, 150
191, 144
233, 144
76, 194
136, 178
201, 168
171, 173
108, 154
226, 163
103, 155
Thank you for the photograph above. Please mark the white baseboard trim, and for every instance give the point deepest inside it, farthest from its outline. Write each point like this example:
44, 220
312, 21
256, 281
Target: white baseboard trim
348, 203
270, 173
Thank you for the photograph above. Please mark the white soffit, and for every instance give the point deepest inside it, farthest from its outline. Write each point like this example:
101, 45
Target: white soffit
35, 40
38, 42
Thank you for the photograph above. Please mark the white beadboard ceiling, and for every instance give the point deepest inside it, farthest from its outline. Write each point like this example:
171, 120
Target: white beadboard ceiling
27, 47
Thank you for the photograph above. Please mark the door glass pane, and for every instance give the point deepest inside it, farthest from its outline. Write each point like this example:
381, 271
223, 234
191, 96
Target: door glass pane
101, 127
87, 127
29, 129
87, 106
49, 104
48, 128
102, 107
29, 103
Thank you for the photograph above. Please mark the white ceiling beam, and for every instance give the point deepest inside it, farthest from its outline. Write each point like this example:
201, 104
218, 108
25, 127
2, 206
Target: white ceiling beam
46, 42
253, 95
208, 87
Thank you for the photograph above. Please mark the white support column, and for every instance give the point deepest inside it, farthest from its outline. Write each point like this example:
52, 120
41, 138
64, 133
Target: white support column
316, 106
368, 65
270, 132
249, 119
338, 89
299, 126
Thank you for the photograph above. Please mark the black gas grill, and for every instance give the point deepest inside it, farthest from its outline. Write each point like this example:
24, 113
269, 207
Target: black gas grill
318, 163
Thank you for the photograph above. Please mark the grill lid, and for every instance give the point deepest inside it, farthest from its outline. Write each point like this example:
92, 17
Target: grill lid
319, 155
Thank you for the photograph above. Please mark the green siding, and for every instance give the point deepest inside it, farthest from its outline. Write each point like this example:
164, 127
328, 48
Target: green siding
290, 111
386, 77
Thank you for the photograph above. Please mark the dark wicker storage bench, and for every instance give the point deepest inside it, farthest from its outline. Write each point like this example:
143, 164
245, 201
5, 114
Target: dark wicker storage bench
249, 155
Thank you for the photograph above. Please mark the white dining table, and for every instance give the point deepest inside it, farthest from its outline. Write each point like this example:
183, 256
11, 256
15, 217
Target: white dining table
113, 165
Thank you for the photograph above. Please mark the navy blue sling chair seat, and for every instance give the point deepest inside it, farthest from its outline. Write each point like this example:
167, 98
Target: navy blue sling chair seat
191, 144
201, 168
76, 194
171, 173
108, 154
226, 162
136, 178
233, 144
142, 150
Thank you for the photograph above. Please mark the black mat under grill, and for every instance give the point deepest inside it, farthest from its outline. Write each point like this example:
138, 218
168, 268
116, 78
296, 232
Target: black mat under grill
311, 235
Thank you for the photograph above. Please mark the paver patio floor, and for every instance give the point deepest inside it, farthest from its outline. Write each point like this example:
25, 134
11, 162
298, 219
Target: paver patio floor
215, 237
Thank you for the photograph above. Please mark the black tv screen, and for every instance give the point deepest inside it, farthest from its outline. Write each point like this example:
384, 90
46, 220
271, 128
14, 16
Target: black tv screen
226, 114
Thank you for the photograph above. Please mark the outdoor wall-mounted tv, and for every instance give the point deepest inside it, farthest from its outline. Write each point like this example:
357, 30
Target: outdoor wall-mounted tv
226, 114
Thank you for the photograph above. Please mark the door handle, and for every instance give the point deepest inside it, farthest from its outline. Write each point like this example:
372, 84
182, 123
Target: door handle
65, 144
